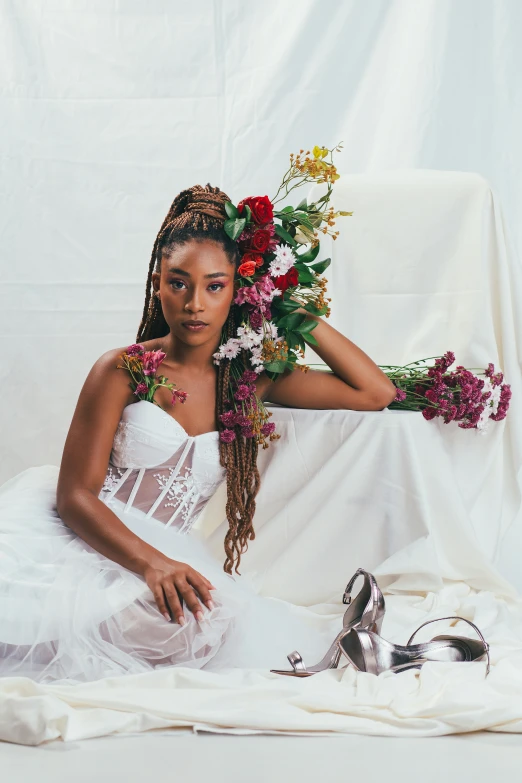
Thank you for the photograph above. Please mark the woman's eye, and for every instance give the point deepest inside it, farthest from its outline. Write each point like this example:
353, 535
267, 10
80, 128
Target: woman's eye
177, 284
216, 286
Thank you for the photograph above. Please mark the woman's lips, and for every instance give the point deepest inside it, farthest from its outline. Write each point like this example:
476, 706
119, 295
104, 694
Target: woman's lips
194, 326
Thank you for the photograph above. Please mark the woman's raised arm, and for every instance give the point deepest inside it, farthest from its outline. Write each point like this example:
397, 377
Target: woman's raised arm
357, 382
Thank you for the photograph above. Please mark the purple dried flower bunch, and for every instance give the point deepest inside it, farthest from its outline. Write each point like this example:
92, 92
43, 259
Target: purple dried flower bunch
459, 396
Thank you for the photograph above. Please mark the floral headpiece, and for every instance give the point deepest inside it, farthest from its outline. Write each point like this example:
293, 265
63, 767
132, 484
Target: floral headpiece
275, 280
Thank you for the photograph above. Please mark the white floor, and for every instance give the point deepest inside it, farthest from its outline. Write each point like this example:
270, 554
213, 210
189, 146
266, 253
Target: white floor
184, 757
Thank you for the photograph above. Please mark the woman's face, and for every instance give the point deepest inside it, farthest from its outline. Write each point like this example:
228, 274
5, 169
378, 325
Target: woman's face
196, 286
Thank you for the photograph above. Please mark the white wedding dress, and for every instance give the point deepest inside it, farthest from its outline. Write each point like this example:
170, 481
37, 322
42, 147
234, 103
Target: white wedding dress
69, 613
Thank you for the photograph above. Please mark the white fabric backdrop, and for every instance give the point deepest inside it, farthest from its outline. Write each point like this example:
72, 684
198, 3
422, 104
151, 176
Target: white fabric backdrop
112, 109
109, 109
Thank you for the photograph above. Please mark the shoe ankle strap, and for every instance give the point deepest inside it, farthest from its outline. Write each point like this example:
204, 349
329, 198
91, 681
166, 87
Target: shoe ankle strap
454, 617
347, 595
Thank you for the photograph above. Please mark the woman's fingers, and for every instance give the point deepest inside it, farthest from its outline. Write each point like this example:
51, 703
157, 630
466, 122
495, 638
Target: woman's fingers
199, 583
191, 600
174, 603
159, 597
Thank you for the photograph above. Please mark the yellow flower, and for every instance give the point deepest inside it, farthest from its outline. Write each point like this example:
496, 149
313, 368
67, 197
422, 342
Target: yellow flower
320, 152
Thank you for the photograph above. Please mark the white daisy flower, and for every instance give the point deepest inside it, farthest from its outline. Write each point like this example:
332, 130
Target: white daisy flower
285, 253
283, 261
231, 348
248, 338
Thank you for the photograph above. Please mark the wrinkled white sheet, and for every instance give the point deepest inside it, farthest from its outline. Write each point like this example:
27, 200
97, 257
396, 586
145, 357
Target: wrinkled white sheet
423, 505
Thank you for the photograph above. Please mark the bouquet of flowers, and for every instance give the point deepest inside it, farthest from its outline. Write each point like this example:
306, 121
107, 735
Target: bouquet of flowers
275, 280
142, 366
459, 396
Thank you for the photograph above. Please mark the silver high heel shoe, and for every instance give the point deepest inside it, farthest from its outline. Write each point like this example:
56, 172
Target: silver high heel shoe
368, 652
365, 611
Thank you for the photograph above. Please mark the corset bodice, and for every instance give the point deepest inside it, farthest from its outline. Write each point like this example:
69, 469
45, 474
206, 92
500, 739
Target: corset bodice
157, 469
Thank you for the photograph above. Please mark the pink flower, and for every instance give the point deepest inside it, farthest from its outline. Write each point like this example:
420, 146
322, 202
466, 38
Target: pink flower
242, 393
256, 319
151, 361
247, 432
141, 388
247, 294
503, 405
249, 376
242, 421
400, 396
177, 394
228, 418
268, 428
135, 349
227, 436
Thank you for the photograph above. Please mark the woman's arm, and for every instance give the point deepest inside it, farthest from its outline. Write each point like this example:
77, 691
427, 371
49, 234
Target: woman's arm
357, 382
83, 469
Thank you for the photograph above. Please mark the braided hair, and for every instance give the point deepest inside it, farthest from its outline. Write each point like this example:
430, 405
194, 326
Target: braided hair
198, 214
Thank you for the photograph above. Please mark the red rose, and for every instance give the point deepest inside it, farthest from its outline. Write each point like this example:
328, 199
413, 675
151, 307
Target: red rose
287, 281
261, 208
260, 240
252, 258
247, 269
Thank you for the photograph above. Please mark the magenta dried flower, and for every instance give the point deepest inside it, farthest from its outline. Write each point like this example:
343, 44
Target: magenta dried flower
141, 388
268, 428
400, 396
135, 350
228, 418
227, 436
242, 392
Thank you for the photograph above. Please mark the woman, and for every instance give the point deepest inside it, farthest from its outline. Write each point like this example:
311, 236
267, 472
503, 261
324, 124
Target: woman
98, 574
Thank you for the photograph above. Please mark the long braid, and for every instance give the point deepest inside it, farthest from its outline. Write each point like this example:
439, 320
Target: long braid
198, 213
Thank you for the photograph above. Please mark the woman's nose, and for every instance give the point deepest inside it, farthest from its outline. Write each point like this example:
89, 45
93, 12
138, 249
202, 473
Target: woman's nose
194, 303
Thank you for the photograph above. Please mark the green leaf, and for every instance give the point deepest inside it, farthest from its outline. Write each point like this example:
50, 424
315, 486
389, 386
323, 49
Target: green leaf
311, 308
307, 327
248, 213
290, 321
310, 255
231, 210
284, 235
292, 339
303, 220
286, 209
285, 305
302, 205
276, 367
310, 339
321, 266
304, 274
234, 227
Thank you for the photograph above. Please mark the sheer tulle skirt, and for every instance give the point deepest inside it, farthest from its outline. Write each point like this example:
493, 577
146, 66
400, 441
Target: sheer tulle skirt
69, 613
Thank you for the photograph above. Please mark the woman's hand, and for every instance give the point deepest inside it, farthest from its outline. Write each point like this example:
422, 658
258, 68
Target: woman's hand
172, 582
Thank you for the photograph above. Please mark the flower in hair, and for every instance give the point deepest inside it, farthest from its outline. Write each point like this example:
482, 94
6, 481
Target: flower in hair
277, 277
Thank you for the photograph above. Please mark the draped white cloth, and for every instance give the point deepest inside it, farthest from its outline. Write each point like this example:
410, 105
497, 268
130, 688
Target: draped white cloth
422, 504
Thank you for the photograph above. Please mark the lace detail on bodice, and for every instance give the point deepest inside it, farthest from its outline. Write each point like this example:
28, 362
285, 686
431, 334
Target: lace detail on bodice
158, 470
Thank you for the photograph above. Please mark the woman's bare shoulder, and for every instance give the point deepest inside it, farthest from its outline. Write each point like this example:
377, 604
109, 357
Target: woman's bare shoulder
106, 369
